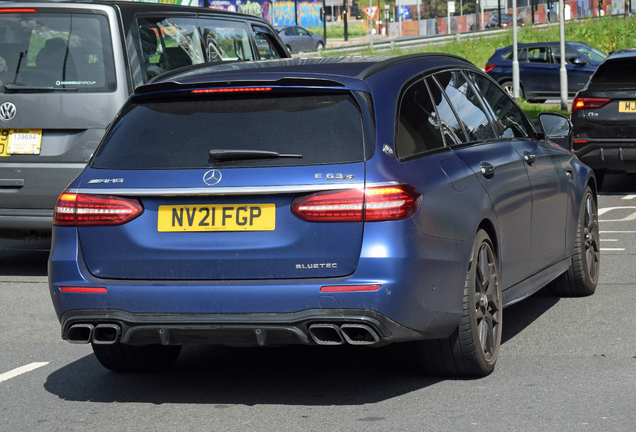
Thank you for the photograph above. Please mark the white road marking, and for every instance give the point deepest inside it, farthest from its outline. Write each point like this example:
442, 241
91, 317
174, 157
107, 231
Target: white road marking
617, 232
609, 240
19, 371
608, 209
628, 197
612, 249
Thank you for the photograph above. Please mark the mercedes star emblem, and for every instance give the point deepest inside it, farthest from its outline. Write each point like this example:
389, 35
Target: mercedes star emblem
7, 111
212, 177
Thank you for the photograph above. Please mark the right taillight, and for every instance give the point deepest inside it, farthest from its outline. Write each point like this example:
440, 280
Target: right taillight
489, 67
83, 209
588, 103
372, 204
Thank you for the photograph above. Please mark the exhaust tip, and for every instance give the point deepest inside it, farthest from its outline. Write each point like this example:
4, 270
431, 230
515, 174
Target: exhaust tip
106, 334
80, 333
359, 334
326, 334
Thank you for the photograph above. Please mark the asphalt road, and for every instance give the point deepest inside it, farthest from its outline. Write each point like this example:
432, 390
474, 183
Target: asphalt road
565, 365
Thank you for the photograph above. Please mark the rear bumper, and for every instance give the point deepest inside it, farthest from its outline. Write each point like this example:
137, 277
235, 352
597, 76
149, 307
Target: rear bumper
611, 154
308, 327
420, 297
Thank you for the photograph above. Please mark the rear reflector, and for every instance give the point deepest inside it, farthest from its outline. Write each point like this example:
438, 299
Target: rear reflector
82, 209
382, 203
588, 103
350, 288
580, 141
233, 90
91, 290
18, 10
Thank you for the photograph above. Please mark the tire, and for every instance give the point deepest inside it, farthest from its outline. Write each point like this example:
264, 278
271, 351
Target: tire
288, 48
129, 358
508, 87
473, 348
320, 46
582, 276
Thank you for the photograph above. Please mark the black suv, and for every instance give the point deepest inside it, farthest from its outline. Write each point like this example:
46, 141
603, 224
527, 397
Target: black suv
604, 116
67, 67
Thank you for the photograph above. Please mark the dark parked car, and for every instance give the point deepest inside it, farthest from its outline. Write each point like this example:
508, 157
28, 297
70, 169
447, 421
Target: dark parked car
539, 66
328, 201
506, 21
604, 116
67, 67
297, 38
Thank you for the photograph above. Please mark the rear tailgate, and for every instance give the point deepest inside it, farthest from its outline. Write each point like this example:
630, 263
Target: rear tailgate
215, 217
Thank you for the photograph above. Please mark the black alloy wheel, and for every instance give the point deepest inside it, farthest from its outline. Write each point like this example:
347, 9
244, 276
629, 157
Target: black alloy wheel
582, 276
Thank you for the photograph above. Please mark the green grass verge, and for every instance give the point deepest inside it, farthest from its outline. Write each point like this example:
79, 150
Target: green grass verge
337, 31
532, 110
608, 34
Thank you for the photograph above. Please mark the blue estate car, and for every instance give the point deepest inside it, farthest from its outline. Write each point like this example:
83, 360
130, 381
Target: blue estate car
539, 66
328, 201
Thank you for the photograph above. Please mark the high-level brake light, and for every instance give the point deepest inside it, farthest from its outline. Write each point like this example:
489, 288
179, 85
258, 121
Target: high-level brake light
18, 10
83, 209
382, 203
233, 90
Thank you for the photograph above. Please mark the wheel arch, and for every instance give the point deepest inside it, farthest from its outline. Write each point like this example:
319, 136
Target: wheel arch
488, 226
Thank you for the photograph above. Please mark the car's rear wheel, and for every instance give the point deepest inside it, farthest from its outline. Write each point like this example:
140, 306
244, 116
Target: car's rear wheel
473, 348
129, 358
508, 87
582, 276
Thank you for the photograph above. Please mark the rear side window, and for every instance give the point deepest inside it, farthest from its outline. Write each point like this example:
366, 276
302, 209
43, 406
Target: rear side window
170, 43
179, 133
616, 71
418, 125
538, 55
58, 50
266, 43
449, 123
522, 56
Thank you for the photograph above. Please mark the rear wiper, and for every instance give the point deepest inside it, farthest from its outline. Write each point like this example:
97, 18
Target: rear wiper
13, 88
248, 154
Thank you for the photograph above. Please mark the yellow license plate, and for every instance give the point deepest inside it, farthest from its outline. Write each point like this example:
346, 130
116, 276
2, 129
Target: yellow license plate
627, 106
20, 141
217, 217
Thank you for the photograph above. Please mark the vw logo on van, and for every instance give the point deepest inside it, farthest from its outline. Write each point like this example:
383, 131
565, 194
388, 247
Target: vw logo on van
7, 111
212, 177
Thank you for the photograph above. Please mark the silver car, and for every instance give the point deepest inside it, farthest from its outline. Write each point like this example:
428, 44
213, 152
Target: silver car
297, 38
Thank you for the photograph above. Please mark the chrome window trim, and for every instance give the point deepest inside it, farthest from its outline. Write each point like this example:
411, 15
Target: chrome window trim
237, 190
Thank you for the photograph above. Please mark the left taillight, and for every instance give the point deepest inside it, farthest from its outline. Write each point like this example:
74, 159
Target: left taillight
372, 204
83, 209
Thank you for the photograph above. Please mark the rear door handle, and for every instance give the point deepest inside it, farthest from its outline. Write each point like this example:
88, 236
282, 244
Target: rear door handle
487, 170
528, 157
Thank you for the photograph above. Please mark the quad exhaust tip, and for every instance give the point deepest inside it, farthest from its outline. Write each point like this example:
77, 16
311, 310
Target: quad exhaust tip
106, 334
101, 334
80, 333
359, 334
326, 334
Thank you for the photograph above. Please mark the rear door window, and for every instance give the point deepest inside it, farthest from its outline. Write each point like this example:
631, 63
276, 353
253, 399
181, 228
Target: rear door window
511, 122
169, 133
57, 50
467, 104
538, 55
266, 43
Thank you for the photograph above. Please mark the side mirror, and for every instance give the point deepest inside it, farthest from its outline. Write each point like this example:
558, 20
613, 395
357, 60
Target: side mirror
557, 128
579, 61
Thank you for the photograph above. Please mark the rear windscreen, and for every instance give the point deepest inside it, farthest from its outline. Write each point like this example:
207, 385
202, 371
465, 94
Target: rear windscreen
69, 51
617, 71
180, 133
